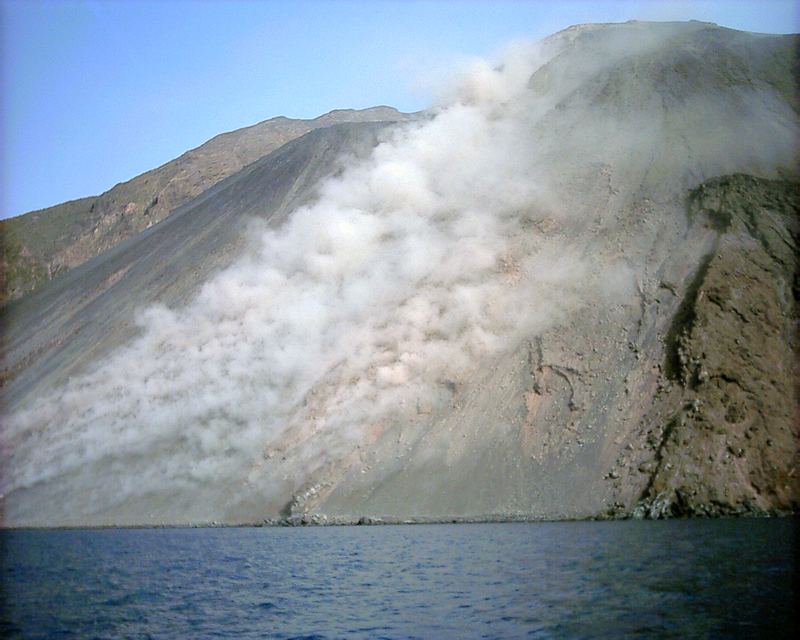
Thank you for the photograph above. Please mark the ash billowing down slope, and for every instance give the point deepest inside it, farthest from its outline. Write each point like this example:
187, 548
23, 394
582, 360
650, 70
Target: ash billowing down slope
414, 342
383, 294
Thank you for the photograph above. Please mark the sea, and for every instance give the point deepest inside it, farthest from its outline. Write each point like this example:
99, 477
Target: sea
725, 578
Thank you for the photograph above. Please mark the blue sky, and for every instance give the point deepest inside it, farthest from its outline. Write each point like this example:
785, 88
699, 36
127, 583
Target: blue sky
96, 92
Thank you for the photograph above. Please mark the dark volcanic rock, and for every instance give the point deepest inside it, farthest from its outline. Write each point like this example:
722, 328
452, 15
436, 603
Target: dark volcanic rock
732, 443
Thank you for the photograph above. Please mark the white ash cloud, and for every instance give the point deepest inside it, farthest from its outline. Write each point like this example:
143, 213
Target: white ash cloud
411, 268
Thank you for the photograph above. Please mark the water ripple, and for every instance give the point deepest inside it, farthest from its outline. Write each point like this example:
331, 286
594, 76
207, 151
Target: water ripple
725, 578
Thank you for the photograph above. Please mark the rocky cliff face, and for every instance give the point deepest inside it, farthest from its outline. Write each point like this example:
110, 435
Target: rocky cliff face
42, 244
570, 293
722, 435
605, 413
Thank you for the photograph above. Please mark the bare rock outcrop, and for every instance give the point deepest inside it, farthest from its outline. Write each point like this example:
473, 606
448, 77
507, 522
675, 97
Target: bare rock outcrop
730, 444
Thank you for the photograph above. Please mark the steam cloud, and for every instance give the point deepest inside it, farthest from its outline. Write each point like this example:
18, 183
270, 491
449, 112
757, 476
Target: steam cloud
410, 270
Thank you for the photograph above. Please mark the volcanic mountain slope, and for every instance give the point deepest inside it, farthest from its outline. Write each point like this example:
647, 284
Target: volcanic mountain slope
569, 292
78, 318
42, 244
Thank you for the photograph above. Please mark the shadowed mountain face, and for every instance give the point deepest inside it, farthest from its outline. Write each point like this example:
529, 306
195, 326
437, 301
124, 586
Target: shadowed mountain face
570, 291
43, 244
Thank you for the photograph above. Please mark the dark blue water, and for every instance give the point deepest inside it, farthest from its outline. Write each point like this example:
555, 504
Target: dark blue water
713, 578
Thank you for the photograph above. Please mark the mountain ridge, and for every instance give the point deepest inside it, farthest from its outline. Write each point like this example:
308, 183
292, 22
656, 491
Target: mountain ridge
42, 244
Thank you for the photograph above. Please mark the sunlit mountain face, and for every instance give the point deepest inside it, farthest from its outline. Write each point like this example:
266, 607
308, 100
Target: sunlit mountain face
568, 290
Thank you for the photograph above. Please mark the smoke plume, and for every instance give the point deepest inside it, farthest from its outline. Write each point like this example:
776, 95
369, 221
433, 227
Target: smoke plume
408, 271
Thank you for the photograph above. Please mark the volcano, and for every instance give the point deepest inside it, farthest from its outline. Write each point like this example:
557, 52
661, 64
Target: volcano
568, 291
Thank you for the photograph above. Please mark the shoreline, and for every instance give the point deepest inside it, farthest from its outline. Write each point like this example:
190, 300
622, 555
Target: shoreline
315, 520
